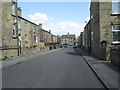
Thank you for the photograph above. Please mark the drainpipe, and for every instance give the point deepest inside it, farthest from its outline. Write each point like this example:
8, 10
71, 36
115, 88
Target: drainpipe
17, 27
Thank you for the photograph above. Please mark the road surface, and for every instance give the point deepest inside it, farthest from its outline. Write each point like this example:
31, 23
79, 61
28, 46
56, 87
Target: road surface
63, 68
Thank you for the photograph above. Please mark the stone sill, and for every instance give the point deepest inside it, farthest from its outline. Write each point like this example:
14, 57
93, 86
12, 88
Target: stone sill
115, 14
115, 43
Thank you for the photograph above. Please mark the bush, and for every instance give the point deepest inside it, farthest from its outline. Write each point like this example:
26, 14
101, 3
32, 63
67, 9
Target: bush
50, 47
5, 58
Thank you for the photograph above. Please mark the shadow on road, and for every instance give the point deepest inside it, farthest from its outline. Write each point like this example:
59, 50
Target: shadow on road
75, 52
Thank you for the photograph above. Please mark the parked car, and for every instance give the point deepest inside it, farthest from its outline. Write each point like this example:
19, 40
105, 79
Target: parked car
65, 46
75, 46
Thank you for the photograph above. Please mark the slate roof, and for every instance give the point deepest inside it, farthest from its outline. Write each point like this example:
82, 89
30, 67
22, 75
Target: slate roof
68, 36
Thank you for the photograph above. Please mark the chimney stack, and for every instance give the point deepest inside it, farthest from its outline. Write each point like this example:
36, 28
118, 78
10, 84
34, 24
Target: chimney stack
50, 31
40, 25
19, 12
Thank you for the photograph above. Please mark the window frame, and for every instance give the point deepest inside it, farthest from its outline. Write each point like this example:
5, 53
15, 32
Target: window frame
118, 11
19, 26
115, 42
14, 31
25, 24
92, 37
13, 7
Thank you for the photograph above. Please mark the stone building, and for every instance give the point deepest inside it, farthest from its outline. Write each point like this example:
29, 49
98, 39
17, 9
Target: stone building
41, 33
9, 29
81, 40
68, 39
59, 39
29, 33
47, 36
54, 39
0, 29
105, 28
87, 36
18, 34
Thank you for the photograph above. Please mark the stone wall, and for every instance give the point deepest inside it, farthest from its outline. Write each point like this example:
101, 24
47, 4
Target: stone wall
115, 55
42, 44
95, 42
26, 37
101, 26
106, 21
9, 53
47, 36
7, 30
0, 28
87, 36
33, 50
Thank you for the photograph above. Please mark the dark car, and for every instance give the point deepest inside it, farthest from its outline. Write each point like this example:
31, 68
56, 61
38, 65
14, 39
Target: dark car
65, 46
75, 46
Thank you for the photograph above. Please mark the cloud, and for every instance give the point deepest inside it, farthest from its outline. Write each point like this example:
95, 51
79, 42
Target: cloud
65, 27
59, 28
38, 18
52, 18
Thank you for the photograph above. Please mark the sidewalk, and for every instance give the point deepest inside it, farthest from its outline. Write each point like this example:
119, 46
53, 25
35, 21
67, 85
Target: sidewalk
22, 58
105, 70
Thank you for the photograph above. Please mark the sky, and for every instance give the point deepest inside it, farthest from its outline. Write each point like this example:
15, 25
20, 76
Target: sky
59, 17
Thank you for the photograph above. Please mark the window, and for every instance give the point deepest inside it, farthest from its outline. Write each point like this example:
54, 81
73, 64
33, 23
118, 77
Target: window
13, 7
116, 7
18, 24
34, 38
91, 16
116, 33
92, 35
25, 24
35, 28
14, 31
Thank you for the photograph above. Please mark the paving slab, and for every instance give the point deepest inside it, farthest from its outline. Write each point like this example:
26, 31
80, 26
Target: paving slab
106, 71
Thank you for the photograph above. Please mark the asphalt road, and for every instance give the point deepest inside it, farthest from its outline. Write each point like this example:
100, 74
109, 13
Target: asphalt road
63, 68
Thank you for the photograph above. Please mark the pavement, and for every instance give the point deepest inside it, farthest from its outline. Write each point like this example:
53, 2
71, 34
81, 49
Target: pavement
107, 72
22, 58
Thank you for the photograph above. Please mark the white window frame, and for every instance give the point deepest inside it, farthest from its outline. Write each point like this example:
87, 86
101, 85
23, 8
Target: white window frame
116, 1
19, 24
14, 31
115, 42
91, 16
92, 33
13, 7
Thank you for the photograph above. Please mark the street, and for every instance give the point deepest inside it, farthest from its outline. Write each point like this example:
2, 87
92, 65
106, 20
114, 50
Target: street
63, 68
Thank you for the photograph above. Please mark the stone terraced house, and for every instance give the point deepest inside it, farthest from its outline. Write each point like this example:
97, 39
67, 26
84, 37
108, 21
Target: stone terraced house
19, 35
102, 32
68, 39
9, 45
